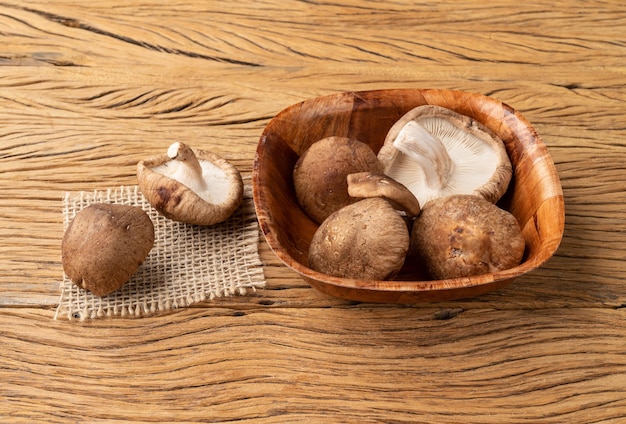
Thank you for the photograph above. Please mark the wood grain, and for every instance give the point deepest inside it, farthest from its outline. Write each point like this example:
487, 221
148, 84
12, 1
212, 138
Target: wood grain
355, 364
87, 89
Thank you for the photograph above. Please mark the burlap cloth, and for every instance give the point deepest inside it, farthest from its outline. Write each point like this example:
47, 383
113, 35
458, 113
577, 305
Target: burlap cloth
187, 264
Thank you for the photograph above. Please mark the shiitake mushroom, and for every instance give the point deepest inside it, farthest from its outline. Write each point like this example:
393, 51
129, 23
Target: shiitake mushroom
465, 235
192, 186
368, 239
104, 245
319, 175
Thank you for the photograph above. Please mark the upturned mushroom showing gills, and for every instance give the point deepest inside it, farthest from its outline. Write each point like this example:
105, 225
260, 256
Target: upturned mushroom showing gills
104, 245
436, 152
196, 187
367, 184
465, 235
368, 239
319, 175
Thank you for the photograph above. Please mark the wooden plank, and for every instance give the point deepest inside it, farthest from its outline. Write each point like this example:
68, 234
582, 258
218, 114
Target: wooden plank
88, 89
339, 364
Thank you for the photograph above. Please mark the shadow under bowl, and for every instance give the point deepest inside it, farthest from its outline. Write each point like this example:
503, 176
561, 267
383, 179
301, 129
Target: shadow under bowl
534, 195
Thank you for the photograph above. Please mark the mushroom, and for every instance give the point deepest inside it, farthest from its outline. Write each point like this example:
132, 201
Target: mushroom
368, 184
465, 235
200, 187
319, 175
104, 245
436, 152
367, 239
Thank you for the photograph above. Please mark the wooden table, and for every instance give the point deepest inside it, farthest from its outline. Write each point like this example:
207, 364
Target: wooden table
89, 88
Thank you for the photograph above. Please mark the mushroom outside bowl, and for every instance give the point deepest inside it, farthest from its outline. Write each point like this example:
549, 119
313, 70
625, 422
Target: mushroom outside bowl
534, 195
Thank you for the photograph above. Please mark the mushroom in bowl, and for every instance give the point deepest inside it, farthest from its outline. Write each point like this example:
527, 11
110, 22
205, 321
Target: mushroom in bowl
462, 235
320, 174
367, 239
534, 195
437, 152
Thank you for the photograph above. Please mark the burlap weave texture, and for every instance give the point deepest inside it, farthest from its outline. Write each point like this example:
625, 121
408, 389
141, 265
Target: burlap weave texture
187, 264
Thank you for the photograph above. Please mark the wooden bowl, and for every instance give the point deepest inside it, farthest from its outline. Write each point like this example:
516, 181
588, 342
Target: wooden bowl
534, 196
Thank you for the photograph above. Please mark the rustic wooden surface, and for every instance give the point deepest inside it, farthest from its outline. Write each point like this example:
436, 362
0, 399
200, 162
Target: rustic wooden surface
89, 88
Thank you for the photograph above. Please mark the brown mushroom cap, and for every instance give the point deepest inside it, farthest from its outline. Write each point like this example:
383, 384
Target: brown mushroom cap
320, 174
364, 240
365, 185
104, 245
465, 235
192, 186
436, 152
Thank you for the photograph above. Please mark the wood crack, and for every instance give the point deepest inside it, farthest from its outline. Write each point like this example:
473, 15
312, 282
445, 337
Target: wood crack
74, 23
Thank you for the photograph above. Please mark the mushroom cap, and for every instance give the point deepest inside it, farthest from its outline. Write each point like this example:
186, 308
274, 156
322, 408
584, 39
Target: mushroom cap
163, 182
364, 240
365, 185
104, 245
465, 235
320, 174
479, 161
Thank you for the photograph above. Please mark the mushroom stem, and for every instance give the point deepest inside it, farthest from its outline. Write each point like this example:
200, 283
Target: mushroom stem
428, 151
189, 170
